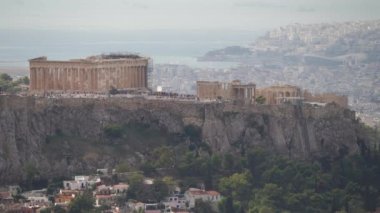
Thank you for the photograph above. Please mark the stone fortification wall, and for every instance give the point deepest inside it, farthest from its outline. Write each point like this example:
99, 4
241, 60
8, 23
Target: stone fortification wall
341, 100
212, 90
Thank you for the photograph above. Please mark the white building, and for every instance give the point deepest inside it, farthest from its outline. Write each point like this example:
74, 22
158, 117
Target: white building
81, 182
175, 201
36, 198
120, 188
194, 194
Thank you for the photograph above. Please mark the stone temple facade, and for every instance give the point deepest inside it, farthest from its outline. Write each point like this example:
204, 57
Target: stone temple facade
234, 91
280, 94
93, 74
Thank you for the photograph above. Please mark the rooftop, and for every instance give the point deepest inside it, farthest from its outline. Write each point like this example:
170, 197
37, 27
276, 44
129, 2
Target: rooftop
194, 191
111, 56
115, 56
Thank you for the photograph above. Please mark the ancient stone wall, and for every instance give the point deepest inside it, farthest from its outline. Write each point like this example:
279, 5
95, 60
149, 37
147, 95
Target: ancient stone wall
207, 90
341, 100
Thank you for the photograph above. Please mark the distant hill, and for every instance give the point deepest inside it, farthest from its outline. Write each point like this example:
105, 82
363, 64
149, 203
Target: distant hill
232, 53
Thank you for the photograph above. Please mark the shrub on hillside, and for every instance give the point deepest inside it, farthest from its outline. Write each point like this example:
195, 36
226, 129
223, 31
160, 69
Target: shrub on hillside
113, 131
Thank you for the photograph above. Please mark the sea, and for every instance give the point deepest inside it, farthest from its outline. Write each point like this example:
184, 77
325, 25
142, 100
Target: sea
163, 46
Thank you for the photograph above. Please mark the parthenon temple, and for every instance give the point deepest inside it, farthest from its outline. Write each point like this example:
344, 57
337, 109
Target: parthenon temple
93, 74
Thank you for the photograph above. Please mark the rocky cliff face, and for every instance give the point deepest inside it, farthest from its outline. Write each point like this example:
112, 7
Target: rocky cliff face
52, 137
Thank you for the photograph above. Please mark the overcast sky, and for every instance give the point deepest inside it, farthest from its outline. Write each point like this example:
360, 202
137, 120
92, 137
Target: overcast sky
178, 14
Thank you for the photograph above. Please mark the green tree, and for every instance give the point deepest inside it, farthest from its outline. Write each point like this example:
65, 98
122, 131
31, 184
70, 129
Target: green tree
23, 80
135, 178
193, 132
260, 100
160, 190
54, 209
228, 162
203, 207
82, 203
136, 186
269, 197
237, 186
226, 205
46, 210
216, 162
58, 209
164, 157
32, 174
5, 77
170, 182
123, 167
148, 169
113, 131
121, 199
54, 187
8, 85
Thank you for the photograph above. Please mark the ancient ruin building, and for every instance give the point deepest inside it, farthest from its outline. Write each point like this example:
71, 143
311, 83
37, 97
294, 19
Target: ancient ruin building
234, 91
281, 94
292, 94
93, 74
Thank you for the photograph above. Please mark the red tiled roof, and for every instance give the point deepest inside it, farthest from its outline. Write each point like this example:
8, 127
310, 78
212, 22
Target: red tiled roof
103, 196
213, 193
203, 192
5, 195
152, 211
121, 186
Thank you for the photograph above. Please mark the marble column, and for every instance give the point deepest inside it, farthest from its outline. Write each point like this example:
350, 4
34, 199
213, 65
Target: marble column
143, 77
32, 79
139, 77
134, 73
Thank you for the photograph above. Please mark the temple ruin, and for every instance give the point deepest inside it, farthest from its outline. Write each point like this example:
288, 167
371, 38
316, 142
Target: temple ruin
280, 94
234, 91
93, 74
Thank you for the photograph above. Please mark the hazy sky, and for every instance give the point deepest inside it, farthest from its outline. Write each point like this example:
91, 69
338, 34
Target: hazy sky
178, 14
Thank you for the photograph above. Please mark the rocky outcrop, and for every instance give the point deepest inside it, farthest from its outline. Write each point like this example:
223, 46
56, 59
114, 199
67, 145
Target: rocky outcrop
52, 137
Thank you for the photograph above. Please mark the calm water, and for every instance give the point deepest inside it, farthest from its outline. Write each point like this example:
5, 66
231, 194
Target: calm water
164, 46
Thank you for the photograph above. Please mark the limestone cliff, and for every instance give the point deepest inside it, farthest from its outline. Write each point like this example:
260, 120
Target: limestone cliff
66, 136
